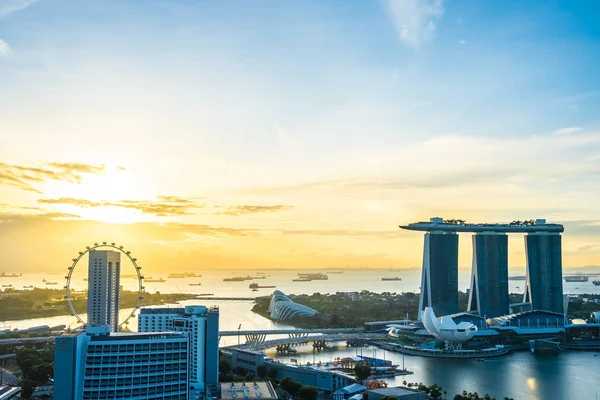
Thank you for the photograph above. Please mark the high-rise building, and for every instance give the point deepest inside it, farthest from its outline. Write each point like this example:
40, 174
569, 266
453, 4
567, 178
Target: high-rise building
97, 364
202, 326
439, 279
489, 276
543, 287
103, 288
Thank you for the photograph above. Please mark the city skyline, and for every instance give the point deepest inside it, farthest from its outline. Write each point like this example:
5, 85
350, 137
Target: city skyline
280, 135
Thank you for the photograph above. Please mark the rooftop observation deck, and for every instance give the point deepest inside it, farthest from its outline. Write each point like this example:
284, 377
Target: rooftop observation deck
439, 224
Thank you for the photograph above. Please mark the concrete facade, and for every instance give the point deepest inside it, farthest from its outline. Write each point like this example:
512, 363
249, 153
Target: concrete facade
104, 269
202, 326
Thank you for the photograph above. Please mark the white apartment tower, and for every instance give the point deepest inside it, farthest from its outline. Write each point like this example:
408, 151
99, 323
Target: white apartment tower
201, 324
104, 269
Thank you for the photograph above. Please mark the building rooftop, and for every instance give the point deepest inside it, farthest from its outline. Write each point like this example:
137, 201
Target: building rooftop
437, 224
395, 391
248, 391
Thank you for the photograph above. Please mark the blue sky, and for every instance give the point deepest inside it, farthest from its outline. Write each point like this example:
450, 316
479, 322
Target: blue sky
396, 108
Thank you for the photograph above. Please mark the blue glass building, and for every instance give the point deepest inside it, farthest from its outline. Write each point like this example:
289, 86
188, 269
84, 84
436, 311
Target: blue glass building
489, 275
544, 271
439, 279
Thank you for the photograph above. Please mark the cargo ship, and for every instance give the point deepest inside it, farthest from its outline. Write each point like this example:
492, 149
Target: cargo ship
576, 278
184, 275
238, 279
301, 280
391, 278
313, 276
254, 285
154, 280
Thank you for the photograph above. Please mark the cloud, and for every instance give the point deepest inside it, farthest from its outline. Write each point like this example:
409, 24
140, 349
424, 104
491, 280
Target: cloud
568, 131
8, 7
14, 217
5, 50
164, 206
462, 42
247, 209
415, 20
24, 177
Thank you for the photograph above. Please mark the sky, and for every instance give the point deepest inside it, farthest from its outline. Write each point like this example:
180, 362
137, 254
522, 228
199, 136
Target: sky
276, 134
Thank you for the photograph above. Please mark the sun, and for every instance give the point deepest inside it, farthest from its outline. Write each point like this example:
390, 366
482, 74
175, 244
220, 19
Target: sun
91, 199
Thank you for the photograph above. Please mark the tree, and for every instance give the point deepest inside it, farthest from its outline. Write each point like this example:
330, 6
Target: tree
249, 377
389, 398
224, 367
27, 386
308, 393
295, 388
261, 370
362, 372
285, 383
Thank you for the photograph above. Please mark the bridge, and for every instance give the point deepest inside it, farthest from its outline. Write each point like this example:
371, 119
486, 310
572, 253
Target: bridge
257, 341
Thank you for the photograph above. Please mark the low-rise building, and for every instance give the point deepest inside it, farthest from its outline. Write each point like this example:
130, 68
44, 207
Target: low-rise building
248, 391
401, 393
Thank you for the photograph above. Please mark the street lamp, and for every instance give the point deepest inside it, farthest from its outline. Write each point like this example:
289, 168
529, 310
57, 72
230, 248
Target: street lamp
239, 327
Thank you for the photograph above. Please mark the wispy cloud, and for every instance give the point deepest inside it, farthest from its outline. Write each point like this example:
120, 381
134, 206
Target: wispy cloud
568, 131
164, 206
415, 20
25, 176
249, 209
5, 50
8, 7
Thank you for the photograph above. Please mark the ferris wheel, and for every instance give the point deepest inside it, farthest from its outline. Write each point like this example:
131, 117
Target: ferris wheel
138, 271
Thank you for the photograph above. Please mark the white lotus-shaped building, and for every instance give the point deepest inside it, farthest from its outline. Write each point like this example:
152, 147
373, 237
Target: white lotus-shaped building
282, 307
447, 330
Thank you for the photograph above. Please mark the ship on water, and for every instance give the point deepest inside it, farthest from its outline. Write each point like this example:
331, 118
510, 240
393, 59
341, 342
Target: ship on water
184, 275
576, 278
195, 284
391, 278
154, 280
5, 275
596, 282
319, 276
255, 285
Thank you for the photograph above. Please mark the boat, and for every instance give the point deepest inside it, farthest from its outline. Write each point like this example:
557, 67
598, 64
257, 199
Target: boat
184, 275
154, 280
596, 282
241, 278
195, 284
517, 278
544, 346
391, 278
51, 283
301, 280
314, 276
5, 275
576, 278
255, 290
7, 286
28, 287
255, 285
43, 280
479, 360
